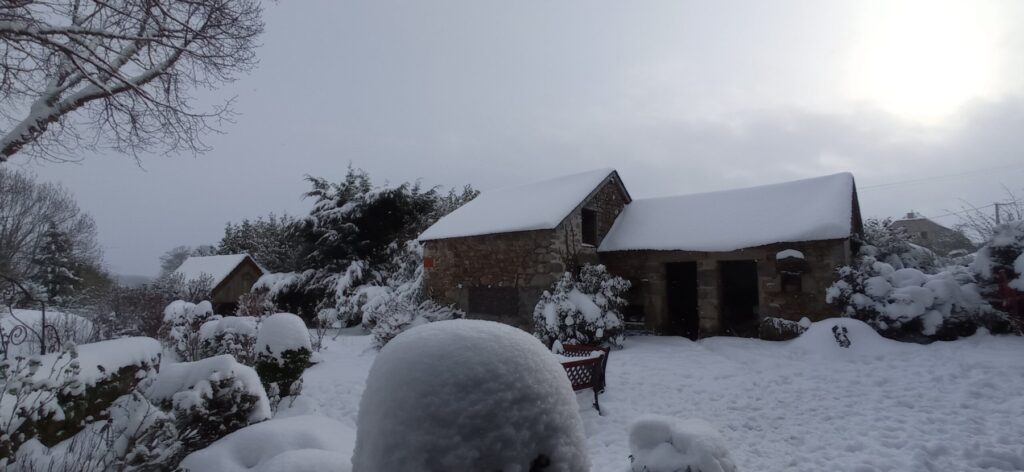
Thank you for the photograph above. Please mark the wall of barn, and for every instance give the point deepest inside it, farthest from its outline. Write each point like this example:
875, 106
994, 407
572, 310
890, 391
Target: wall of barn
647, 271
239, 282
501, 277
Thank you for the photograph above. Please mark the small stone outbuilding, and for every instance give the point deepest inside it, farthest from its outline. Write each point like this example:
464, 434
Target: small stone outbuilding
230, 277
701, 265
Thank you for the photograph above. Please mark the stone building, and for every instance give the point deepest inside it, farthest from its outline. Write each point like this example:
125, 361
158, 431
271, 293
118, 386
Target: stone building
230, 276
701, 265
940, 239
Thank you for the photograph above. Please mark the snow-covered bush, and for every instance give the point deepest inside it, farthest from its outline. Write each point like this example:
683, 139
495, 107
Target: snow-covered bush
401, 301
892, 245
468, 395
235, 335
907, 303
1002, 255
665, 444
582, 310
209, 398
180, 330
294, 444
283, 350
135, 436
52, 397
256, 304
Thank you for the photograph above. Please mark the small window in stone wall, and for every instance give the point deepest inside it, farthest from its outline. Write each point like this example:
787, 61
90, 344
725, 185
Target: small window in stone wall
589, 227
494, 301
792, 283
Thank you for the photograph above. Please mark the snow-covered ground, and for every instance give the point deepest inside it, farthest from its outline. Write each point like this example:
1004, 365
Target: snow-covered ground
804, 405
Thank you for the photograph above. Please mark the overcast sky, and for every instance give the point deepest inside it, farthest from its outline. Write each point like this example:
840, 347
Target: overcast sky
680, 97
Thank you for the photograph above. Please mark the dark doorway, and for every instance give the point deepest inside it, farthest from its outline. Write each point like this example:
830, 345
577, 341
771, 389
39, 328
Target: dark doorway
739, 298
681, 288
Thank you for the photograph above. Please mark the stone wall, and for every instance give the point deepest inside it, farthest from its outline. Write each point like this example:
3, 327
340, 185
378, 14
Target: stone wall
646, 269
485, 275
528, 261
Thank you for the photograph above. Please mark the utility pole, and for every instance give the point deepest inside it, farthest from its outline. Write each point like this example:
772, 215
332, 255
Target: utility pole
997, 212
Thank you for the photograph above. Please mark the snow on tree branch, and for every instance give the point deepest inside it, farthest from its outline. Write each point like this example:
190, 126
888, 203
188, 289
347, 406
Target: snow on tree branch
80, 74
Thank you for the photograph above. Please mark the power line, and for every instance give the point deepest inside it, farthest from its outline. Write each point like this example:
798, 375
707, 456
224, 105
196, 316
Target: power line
938, 177
968, 210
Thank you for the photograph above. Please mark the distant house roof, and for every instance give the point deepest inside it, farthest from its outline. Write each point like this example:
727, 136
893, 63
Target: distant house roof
217, 267
803, 210
536, 206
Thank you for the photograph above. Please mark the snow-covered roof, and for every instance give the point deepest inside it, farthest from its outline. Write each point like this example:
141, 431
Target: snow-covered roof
540, 205
803, 210
217, 267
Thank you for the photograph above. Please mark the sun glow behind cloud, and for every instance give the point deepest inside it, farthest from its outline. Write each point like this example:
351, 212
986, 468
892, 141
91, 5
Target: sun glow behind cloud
923, 59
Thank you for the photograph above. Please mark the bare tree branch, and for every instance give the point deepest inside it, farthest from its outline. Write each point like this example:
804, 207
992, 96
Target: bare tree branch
117, 73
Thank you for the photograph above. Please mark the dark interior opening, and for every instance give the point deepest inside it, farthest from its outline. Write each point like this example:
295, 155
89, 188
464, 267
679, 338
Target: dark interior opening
589, 227
681, 289
494, 301
739, 298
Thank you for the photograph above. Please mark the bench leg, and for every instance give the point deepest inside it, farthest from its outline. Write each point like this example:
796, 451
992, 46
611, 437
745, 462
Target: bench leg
597, 404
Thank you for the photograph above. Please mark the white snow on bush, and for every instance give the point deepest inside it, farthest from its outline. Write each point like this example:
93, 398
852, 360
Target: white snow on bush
185, 383
665, 444
99, 361
295, 444
540, 205
1018, 267
282, 332
895, 297
802, 210
182, 312
238, 325
467, 395
276, 283
789, 254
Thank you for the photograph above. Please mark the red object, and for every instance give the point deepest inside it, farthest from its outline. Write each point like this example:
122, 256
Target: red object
1013, 300
428, 262
586, 373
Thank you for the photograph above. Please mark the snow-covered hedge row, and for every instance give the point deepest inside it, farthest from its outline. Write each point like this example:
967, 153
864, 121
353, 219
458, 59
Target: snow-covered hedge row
582, 310
183, 408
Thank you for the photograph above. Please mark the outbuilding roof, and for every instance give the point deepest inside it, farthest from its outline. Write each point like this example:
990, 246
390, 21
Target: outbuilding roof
217, 267
536, 206
803, 210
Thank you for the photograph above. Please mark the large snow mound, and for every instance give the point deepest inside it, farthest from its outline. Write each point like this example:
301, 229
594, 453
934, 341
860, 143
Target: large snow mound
282, 332
184, 383
665, 444
467, 395
819, 339
540, 205
216, 267
297, 444
802, 210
